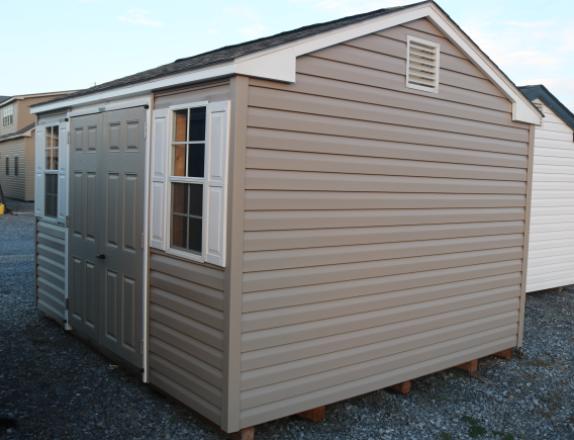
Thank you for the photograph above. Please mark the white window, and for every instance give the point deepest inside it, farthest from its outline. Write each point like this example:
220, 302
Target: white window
187, 179
51, 145
189, 167
51, 174
423, 64
8, 116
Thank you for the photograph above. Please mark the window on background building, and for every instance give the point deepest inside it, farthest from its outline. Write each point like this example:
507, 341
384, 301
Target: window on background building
8, 116
16, 170
187, 179
7, 166
52, 142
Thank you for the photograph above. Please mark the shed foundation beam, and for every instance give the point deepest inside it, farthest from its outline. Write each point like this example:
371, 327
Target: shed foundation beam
470, 367
244, 434
403, 388
504, 354
315, 415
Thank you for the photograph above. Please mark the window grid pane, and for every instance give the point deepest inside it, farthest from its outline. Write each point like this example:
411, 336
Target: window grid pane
51, 195
187, 216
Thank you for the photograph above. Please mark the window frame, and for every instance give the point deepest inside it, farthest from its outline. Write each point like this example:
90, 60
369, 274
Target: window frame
8, 114
51, 171
170, 179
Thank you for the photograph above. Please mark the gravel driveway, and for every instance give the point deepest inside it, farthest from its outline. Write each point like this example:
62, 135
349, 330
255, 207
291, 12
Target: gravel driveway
52, 386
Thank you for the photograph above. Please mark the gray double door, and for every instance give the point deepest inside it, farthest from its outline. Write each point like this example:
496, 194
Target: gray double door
107, 166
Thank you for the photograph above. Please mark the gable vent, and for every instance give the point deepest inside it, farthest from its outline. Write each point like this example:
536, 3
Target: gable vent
422, 64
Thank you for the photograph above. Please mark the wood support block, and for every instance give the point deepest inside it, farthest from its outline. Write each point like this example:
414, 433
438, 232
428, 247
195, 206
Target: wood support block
504, 354
245, 434
470, 367
315, 415
403, 388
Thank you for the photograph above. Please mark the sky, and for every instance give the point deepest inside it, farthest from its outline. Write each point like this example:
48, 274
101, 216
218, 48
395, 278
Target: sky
72, 44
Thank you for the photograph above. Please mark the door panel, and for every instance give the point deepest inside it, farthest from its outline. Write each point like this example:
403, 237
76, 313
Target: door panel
108, 153
82, 240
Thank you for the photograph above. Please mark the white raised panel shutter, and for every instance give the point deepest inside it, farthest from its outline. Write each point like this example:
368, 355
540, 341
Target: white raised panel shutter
63, 172
217, 147
159, 184
39, 171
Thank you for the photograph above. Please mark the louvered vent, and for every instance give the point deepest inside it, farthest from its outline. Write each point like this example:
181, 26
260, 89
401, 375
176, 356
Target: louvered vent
422, 64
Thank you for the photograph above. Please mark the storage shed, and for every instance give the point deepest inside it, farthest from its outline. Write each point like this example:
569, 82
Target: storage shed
289, 222
551, 250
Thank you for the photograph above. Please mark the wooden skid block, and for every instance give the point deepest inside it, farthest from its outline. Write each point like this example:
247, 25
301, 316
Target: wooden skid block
244, 434
315, 415
403, 388
470, 367
504, 354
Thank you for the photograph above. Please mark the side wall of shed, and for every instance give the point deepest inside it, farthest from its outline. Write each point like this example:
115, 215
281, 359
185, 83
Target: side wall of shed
384, 227
28, 167
186, 332
12, 185
51, 268
551, 251
186, 308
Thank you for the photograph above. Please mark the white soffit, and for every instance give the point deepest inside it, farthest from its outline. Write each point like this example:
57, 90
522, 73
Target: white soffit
279, 63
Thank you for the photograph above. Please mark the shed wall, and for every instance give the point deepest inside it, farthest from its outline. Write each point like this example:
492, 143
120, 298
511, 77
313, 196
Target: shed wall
14, 186
186, 307
28, 167
186, 332
551, 250
384, 227
51, 268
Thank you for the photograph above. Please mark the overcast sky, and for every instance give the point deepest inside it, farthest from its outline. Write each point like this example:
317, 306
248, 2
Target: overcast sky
69, 44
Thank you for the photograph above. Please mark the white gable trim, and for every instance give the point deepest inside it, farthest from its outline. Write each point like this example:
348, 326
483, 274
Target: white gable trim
279, 63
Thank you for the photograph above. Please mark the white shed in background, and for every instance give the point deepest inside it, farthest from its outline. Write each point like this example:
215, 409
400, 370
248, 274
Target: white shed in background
551, 249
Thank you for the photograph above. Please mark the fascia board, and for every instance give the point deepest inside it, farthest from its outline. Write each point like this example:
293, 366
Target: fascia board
138, 89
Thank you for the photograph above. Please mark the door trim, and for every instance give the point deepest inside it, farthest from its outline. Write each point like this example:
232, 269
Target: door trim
145, 241
113, 105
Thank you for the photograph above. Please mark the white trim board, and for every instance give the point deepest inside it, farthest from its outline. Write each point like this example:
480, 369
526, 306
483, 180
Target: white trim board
279, 63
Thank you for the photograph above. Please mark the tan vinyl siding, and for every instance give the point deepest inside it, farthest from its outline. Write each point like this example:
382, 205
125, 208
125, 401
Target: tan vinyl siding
28, 167
384, 227
16, 186
186, 332
51, 269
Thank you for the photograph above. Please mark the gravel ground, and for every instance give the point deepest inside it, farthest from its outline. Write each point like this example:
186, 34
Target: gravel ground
53, 386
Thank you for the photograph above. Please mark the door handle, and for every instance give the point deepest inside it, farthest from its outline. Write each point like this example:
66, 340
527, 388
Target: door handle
101, 256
